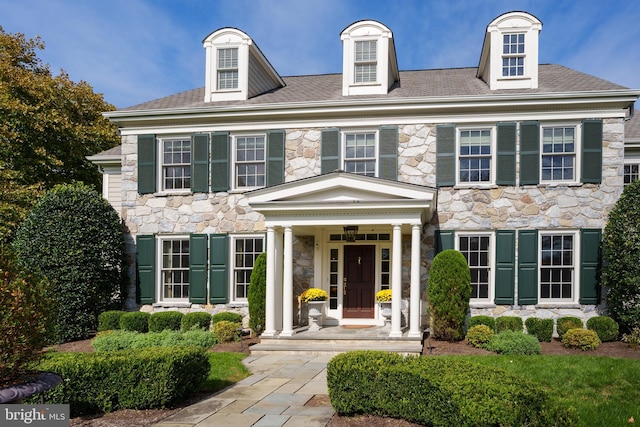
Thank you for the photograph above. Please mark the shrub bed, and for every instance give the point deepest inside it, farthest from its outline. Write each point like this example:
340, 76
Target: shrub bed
509, 323
122, 340
437, 391
479, 335
162, 320
196, 319
482, 320
563, 324
512, 343
134, 379
542, 329
605, 327
135, 321
584, 339
109, 320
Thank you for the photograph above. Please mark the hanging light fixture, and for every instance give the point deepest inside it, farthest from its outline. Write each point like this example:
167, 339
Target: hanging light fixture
350, 233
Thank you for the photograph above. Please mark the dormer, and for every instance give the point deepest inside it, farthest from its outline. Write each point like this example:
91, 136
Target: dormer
509, 58
236, 69
369, 64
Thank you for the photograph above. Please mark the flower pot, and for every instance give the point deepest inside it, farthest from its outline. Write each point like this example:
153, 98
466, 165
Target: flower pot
39, 383
385, 311
315, 313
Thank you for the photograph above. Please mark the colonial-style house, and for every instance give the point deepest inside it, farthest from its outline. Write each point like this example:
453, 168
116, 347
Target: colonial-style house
352, 182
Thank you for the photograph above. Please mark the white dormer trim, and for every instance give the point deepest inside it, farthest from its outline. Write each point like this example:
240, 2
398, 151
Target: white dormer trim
387, 65
491, 59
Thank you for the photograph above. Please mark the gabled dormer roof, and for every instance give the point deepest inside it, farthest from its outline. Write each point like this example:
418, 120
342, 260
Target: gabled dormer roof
236, 69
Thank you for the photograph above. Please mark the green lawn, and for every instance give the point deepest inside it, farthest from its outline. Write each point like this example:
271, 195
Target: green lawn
605, 391
226, 369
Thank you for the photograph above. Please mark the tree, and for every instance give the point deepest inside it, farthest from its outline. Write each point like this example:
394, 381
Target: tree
73, 237
257, 294
448, 292
48, 125
621, 256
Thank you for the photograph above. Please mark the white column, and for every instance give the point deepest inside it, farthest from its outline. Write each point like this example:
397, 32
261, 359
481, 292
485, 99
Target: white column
270, 304
396, 283
414, 307
287, 284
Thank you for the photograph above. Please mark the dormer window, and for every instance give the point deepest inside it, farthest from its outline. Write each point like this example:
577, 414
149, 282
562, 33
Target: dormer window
513, 55
228, 68
366, 61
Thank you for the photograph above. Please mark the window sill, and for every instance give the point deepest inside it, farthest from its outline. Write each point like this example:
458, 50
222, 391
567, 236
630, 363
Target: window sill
173, 193
171, 304
237, 304
482, 305
488, 186
555, 184
549, 305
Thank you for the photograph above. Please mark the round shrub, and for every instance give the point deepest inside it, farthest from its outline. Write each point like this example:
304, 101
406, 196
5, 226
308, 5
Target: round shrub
508, 323
228, 316
162, 320
109, 320
513, 343
257, 294
479, 335
448, 293
195, 320
226, 331
584, 339
136, 321
563, 324
74, 238
482, 320
542, 329
605, 327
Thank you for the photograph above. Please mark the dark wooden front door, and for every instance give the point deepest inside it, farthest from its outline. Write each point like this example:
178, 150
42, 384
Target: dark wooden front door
359, 282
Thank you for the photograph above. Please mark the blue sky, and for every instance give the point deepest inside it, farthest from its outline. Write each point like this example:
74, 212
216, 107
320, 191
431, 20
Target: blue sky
134, 51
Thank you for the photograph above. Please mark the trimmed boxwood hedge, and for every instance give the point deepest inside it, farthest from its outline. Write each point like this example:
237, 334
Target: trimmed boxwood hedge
509, 323
162, 320
229, 316
109, 320
438, 391
196, 319
563, 324
136, 321
489, 321
542, 329
123, 340
132, 379
605, 327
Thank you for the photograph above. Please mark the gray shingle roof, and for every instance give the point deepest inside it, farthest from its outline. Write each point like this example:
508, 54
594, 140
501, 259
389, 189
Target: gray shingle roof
422, 83
632, 128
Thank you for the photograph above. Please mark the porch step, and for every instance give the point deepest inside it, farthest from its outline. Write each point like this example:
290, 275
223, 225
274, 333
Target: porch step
329, 346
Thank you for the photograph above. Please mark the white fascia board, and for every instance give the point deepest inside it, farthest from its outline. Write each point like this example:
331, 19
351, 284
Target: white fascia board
105, 160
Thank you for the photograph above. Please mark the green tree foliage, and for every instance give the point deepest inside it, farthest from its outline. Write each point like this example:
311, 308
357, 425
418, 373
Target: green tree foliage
257, 294
74, 238
48, 125
448, 292
621, 253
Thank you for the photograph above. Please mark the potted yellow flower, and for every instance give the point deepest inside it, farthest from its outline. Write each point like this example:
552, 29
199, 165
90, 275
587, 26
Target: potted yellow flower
315, 299
384, 298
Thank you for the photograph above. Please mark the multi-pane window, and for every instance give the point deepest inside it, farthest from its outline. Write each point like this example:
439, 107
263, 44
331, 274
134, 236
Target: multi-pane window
360, 153
558, 153
475, 155
556, 266
513, 55
385, 268
175, 269
245, 251
631, 172
334, 272
250, 161
366, 61
176, 164
227, 68
476, 250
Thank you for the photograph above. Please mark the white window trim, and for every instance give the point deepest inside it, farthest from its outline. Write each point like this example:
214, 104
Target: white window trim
376, 82
343, 146
577, 170
577, 256
232, 263
233, 186
217, 69
492, 264
492, 180
629, 162
160, 165
512, 55
160, 285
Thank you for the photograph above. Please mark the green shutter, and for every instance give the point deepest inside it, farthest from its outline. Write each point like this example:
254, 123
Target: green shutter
529, 153
592, 151
218, 272
147, 164
275, 157
330, 150
590, 266
445, 239
527, 267
506, 152
200, 163
220, 161
505, 266
445, 155
146, 260
198, 268
388, 153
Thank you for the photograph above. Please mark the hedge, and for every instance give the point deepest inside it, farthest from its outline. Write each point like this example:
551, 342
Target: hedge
605, 327
137, 321
162, 320
513, 343
509, 323
228, 316
542, 329
133, 379
109, 320
438, 391
563, 324
489, 321
196, 319
122, 340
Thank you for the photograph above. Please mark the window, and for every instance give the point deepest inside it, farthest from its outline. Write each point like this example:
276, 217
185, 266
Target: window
366, 61
245, 251
474, 156
476, 249
250, 161
556, 266
360, 153
175, 269
176, 164
228, 68
513, 55
631, 172
558, 153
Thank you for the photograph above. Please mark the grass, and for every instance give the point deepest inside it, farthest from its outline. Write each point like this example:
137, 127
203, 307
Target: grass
226, 369
604, 391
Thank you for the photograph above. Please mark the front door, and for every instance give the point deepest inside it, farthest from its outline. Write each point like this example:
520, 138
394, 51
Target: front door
359, 281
